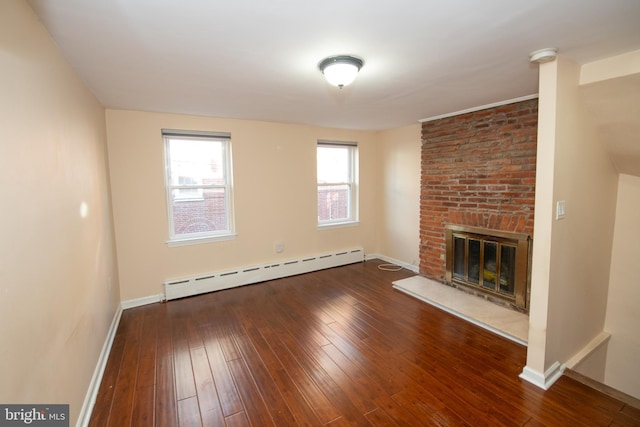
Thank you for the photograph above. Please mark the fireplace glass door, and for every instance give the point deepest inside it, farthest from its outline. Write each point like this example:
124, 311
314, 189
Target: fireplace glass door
490, 263
485, 263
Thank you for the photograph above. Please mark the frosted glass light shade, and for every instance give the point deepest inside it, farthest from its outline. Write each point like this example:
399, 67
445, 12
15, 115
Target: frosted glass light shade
340, 71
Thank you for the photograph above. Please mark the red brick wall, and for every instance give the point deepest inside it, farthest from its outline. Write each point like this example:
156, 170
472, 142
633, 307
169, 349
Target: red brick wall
478, 169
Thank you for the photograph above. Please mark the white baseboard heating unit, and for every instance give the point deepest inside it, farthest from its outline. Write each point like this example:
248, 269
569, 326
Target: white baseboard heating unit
181, 288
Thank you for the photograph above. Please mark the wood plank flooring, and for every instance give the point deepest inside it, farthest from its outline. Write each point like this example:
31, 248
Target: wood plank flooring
337, 347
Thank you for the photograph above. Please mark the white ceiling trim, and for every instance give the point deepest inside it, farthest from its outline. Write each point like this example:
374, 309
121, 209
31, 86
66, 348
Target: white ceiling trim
481, 107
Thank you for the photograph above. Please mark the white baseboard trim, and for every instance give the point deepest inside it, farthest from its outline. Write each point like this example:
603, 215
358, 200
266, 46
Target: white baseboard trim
546, 380
602, 338
137, 302
414, 268
96, 379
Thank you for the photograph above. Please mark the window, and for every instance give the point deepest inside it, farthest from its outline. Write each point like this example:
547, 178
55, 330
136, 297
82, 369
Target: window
198, 181
186, 189
337, 183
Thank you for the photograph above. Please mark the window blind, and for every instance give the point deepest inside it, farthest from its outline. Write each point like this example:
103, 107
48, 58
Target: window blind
195, 134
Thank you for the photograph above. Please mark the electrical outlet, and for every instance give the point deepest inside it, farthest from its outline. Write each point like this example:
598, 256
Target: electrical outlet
279, 247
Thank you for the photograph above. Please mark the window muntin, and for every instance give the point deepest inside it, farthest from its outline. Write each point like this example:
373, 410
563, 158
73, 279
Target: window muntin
188, 189
337, 183
198, 182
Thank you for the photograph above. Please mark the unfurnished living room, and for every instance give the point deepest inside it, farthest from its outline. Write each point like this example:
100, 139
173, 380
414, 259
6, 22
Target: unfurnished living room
320, 213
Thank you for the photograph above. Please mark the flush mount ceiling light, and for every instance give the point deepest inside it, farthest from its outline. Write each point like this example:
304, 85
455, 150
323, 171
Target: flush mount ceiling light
340, 70
543, 55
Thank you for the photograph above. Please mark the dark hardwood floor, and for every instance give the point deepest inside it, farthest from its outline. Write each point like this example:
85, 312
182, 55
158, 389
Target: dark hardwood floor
335, 347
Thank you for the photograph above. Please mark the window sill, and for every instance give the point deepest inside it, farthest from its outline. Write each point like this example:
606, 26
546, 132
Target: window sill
338, 225
199, 240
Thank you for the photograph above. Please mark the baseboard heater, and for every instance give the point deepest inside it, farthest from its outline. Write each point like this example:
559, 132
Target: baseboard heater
180, 288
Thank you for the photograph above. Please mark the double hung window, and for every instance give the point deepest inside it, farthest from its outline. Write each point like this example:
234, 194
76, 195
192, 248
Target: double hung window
337, 182
199, 185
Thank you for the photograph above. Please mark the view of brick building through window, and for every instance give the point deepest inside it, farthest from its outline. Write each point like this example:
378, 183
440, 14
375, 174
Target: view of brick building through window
203, 214
333, 203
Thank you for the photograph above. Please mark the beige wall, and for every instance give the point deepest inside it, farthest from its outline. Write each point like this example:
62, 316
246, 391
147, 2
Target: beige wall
399, 221
572, 255
274, 173
623, 305
58, 283
581, 243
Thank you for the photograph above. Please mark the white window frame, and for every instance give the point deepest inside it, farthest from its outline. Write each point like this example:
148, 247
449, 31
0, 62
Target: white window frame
352, 183
185, 192
227, 186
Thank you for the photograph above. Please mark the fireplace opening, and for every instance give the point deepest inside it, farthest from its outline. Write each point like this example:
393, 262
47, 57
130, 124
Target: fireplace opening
493, 263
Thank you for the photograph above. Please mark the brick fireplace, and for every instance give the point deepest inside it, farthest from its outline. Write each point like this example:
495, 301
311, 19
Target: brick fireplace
478, 170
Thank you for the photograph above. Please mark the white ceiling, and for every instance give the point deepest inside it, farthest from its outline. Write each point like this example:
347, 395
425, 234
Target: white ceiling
258, 59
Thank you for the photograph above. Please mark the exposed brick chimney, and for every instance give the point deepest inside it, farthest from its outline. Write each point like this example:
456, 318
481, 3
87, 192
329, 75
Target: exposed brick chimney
479, 170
